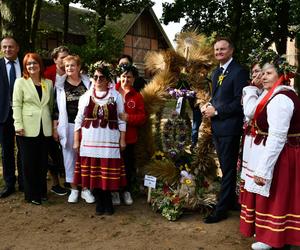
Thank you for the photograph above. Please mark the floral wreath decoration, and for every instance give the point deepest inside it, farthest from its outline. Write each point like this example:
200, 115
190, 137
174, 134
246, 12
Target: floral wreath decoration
126, 67
263, 56
181, 184
106, 69
189, 191
176, 135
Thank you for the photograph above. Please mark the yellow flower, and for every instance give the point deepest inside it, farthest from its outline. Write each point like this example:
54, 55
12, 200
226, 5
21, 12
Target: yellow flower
187, 181
221, 78
158, 155
44, 86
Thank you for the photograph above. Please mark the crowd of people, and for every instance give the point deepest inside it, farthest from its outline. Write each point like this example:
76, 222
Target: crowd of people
89, 125
60, 116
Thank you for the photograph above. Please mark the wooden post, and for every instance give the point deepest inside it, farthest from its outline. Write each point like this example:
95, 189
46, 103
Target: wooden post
149, 195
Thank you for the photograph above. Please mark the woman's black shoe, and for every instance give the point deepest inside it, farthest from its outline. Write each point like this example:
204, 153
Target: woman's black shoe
35, 202
100, 209
109, 209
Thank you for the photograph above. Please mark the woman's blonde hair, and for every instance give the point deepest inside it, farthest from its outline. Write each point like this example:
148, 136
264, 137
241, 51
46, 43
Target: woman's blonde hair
75, 58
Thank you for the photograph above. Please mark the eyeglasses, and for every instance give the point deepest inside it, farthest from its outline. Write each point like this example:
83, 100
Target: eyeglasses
31, 63
100, 78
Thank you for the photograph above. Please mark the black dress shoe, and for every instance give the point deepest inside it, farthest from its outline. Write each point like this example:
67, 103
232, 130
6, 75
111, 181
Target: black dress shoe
215, 217
100, 209
7, 192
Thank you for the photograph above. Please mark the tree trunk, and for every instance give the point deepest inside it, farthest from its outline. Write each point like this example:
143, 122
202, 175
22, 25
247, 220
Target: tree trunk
282, 24
35, 18
66, 21
13, 22
28, 13
236, 23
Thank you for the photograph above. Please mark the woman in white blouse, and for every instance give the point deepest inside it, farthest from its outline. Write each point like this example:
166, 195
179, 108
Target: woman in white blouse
102, 133
271, 204
252, 95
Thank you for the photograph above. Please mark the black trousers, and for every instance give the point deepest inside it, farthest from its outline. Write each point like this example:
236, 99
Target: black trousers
129, 162
34, 161
227, 148
56, 162
7, 141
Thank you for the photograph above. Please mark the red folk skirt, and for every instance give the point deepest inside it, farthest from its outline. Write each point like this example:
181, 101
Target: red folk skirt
275, 219
102, 173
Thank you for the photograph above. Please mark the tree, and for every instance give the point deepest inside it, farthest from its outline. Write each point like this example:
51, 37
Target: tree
34, 18
112, 9
20, 20
110, 48
66, 9
13, 20
249, 23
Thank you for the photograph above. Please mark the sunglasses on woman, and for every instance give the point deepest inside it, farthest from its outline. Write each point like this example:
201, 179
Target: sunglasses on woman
100, 78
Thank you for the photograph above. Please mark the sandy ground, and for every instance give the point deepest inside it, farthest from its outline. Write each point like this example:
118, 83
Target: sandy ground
59, 225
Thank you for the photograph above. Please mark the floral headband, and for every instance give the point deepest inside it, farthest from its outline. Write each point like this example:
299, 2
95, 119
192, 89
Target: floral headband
262, 56
122, 68
105, 69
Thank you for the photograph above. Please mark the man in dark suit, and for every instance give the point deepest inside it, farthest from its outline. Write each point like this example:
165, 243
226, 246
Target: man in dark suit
10, 69
226, 114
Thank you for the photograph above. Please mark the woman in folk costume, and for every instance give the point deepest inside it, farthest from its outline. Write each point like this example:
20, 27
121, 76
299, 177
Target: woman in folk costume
102, 137
252, 95
69, 89
271, 204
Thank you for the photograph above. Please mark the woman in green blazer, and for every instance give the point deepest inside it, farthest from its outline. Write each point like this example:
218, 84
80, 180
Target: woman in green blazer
32, 108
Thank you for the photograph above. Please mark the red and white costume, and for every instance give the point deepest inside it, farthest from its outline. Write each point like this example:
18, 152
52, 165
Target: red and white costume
99, 164
251, 97
272, 211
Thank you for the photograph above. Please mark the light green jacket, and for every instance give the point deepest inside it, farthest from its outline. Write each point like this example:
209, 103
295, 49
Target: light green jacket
29, 111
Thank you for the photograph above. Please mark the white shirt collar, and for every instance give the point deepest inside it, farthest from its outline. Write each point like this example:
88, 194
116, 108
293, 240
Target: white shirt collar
16, 60
17, 66
225, 66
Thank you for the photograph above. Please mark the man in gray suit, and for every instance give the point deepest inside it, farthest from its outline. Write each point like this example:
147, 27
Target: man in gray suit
10, 69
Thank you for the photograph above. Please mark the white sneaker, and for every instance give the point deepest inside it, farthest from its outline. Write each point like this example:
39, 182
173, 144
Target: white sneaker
260, 246
73, 197
127, 198
115, 197
87, 196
